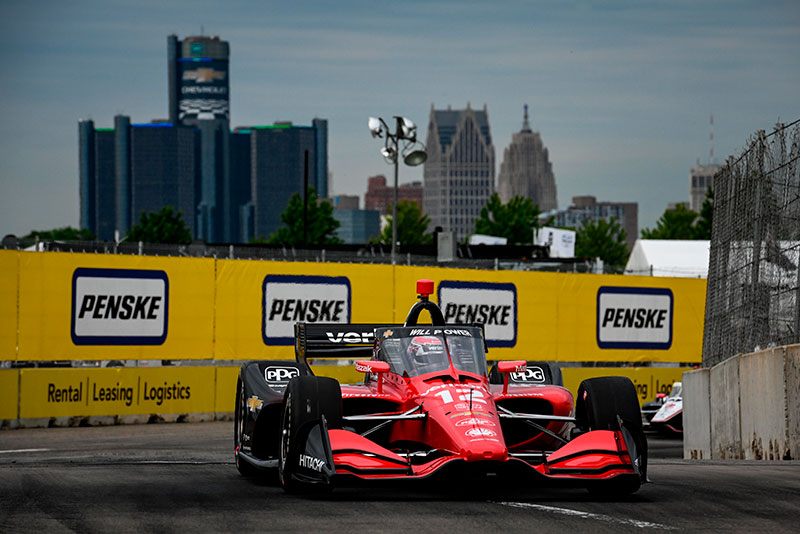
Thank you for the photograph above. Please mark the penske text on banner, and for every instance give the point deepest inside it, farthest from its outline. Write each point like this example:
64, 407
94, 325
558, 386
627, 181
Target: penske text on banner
117, 391
259, 302
105, 307
9, 271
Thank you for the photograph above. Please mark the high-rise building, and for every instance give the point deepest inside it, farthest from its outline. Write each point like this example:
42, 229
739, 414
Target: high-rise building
700, 179
165, 169
96, 162
135, 168
459, 171
526, 170
380, 196
199, 96
587, 208
283, 157
357, 226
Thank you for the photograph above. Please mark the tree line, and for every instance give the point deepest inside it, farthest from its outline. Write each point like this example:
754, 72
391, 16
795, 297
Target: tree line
515, 220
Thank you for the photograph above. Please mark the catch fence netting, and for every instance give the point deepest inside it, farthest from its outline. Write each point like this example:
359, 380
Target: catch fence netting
753, 298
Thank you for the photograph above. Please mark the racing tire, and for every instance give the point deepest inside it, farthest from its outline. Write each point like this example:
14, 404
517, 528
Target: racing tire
306, 400
601, 401
239, 418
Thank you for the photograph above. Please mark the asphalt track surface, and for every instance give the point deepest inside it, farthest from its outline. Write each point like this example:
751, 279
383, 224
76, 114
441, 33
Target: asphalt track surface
181, 478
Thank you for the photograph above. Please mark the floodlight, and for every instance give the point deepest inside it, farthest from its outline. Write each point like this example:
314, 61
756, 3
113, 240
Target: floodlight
415, 158
374, 125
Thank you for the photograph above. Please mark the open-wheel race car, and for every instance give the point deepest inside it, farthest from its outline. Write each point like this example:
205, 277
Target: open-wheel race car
429, 407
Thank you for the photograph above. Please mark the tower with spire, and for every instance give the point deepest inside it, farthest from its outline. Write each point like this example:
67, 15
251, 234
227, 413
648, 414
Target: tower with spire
526, 169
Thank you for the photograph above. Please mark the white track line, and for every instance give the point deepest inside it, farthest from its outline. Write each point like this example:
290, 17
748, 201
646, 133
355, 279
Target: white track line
23, 450
587, 515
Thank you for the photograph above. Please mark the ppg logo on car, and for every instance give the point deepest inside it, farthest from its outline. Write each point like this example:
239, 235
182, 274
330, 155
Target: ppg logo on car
280, 374
634, 318
119, 307
532, 375
289, 299
490, 304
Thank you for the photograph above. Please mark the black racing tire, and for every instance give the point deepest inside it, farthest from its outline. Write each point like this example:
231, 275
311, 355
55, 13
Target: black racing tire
307, 398
600, 402
239, 418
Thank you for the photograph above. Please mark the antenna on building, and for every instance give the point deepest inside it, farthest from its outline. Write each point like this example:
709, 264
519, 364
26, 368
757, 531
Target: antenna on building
711, 139
526, 126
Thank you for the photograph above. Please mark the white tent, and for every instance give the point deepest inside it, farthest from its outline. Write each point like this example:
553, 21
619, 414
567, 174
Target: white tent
669, 257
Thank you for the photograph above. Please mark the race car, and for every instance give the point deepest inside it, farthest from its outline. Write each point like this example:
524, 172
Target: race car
429, 407
669, 418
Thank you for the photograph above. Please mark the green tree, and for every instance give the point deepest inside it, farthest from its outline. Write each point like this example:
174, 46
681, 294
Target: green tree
602, 239
165, 226
67, 233
515, 221
677, 223
321, 225
412, 225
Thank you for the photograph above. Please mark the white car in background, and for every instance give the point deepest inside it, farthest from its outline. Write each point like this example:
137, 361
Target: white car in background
669, 417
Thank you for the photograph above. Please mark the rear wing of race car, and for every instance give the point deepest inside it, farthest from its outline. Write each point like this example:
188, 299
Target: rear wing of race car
337, 340
334, 340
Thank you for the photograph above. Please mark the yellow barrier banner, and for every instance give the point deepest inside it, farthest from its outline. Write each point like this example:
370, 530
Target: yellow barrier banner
113, 307
569, 317
648, 380
259, 302
9, 393
225, 392
116, 391
9, 278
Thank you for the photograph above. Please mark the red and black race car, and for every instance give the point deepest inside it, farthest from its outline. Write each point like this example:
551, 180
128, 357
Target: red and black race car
429, 407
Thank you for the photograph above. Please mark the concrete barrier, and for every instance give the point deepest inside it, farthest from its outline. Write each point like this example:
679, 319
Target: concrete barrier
696, 414
726, 441
762, 390
747, 407
792, 373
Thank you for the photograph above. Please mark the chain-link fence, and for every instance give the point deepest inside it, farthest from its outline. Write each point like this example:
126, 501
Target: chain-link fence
484, 257
753, 298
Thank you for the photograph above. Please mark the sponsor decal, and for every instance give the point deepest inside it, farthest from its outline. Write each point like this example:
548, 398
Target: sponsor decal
475, 422
254, 403
461, 406
118, 393
310, 462
350, 337
289, 299
277, 374
470, 413
437, 331
119, 307
388, 333
363, 367
480, 433
494, 305
634, 318
532, 375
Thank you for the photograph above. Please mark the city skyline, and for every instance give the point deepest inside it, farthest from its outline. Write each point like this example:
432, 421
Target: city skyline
621, 92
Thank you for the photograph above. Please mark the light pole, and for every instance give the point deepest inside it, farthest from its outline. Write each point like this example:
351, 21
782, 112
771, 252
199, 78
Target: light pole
405, 130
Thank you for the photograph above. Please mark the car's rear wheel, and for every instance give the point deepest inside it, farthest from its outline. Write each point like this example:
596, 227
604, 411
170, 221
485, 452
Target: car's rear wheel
239, 422
306, 400
602, 402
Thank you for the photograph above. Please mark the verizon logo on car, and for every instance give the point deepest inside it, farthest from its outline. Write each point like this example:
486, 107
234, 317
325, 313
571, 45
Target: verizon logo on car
290, 299
634, 318
119, 307
493, 305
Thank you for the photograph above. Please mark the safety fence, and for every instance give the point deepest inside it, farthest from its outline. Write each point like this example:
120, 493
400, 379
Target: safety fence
754, 267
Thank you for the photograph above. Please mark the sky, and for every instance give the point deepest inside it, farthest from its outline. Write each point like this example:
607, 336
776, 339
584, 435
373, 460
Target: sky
620, 91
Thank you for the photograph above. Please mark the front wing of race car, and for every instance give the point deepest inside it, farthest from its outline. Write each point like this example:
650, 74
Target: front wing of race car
335, 455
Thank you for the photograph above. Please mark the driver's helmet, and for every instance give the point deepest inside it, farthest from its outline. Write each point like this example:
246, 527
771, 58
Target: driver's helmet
425, 349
